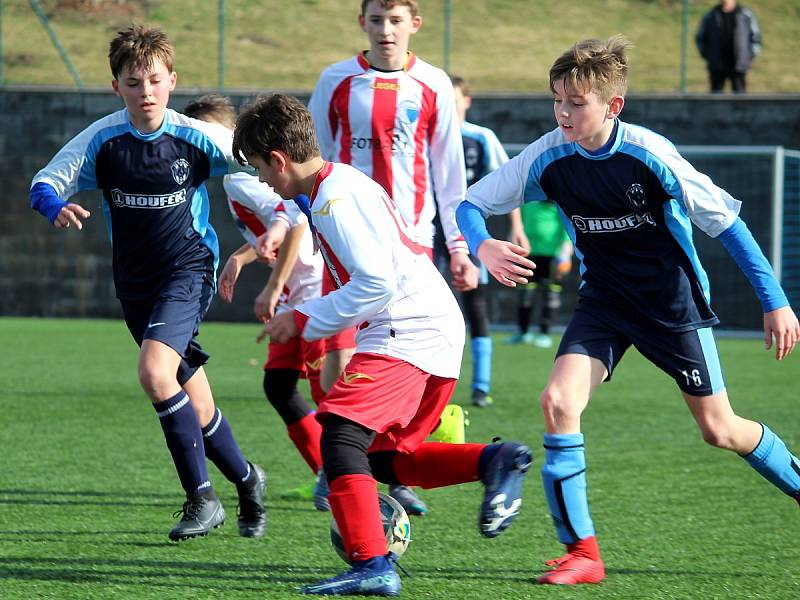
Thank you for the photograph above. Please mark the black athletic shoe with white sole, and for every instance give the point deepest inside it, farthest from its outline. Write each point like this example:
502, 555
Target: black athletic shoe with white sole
201, 514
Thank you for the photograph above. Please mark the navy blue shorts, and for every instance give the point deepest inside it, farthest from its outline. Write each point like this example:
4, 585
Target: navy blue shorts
172, 316
689, 357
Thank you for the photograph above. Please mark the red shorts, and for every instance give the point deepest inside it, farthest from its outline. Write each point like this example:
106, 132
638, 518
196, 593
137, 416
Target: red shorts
399, 401
344, 339
296, 354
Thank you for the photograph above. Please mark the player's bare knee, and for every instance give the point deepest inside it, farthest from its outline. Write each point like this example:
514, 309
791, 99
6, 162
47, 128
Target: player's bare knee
717, 436
154, 381
556, 406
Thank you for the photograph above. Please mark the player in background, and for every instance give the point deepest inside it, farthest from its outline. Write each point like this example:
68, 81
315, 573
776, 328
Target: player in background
630, 200
296, 276
551, 249
151, 163
410, 339
483, 153
392, 116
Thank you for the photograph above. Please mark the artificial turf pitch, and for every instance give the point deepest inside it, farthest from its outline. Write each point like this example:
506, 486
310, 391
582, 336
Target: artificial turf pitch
87, 489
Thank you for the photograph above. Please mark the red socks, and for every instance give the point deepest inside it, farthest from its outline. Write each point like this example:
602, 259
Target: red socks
354, 504
435, 464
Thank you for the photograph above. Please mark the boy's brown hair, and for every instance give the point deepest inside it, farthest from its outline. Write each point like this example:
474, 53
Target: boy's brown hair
139, 46
412, 5
461, 84
600, 66
217, 107
275, 122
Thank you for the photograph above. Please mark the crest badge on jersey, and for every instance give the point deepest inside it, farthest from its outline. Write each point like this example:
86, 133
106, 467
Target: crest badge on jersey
180, 170
636, 197
408, 112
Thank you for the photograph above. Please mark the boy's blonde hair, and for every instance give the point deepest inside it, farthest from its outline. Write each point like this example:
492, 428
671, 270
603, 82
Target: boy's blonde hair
412, 5
276, 122
600, 66
216, 107
139, 46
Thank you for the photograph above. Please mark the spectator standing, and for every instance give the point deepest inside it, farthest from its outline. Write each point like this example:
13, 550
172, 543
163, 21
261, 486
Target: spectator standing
728, 38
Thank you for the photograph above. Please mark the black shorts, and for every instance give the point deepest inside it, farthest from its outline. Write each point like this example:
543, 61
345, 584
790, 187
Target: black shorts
689, 357
172, 316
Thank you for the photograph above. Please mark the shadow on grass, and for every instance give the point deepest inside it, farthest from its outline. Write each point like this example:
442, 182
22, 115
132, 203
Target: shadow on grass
160, 500
231, 576
246, 578
90, 493
82, 498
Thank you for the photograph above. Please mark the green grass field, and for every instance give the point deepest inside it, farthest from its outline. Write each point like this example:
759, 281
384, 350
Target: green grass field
498, 45
87, 489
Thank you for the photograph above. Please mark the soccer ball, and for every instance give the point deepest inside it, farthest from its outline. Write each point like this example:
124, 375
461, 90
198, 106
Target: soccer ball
396, 527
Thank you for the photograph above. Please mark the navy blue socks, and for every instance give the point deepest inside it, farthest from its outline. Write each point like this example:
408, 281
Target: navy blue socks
222, 449
185, 442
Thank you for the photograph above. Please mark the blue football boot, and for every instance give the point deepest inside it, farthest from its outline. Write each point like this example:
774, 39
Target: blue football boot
373, 577
503, 477
321, 491
411, 503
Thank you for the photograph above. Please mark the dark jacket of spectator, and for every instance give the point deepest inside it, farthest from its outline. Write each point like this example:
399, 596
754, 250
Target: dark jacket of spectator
729, 41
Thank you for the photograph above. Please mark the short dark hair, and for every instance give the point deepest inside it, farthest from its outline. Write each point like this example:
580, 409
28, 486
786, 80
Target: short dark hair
275, 122
138, 47
460, 83
216, 106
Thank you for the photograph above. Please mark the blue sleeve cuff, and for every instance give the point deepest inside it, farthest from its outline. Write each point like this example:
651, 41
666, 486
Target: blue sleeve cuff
472, 224
45, 200
744, 249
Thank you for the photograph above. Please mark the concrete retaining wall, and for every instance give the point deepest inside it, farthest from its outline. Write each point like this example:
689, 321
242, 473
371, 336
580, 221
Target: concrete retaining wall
44, 272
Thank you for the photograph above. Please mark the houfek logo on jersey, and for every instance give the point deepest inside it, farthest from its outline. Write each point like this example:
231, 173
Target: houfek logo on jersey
180, 170
123, 200
609, 225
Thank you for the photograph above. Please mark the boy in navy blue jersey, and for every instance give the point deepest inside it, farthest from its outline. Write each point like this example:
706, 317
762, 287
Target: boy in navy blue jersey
151, 164
483, 153
629, 200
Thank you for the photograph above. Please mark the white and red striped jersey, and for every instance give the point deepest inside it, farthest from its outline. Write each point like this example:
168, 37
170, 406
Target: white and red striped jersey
401, 129
386, 284
254, 206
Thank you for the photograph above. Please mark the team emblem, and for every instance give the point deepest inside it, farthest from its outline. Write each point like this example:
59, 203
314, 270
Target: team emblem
636, 197
408, 112
180, 170
117, 197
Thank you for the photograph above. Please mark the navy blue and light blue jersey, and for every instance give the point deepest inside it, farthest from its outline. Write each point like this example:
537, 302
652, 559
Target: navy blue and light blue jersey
629, 211
483, 152
155, 200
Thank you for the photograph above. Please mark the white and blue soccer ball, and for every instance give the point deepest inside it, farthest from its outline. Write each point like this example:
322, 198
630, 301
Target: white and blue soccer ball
396, 527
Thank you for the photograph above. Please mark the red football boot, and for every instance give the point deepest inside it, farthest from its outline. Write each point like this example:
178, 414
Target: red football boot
581, 564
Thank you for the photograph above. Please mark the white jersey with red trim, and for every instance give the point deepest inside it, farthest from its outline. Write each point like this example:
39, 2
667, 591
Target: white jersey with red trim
386, 283
254, 206
401, 129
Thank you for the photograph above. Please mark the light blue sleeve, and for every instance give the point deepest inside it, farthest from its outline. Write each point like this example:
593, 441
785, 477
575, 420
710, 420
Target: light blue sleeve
744, 249
472, 224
